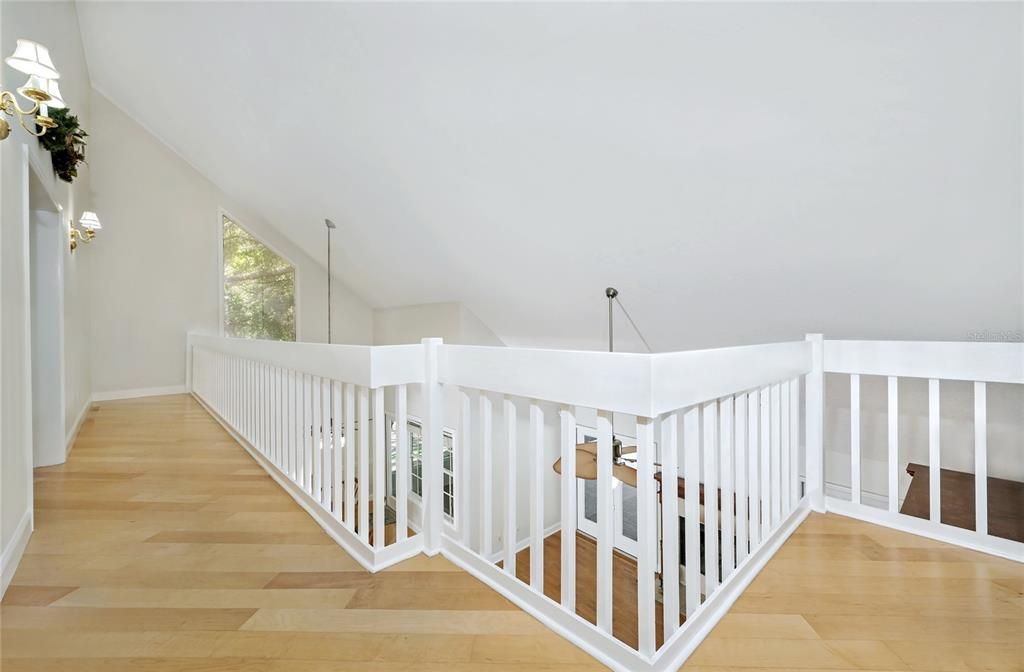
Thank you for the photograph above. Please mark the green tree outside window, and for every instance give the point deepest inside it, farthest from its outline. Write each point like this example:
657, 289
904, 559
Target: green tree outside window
259, 288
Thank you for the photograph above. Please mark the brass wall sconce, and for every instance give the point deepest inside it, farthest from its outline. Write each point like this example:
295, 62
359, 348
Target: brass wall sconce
41, 90
89, 224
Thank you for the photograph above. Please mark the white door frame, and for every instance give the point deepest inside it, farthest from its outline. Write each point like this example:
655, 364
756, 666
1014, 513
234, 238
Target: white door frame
38, 198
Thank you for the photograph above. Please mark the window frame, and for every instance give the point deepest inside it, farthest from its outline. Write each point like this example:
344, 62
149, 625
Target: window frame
223, 213
413, 420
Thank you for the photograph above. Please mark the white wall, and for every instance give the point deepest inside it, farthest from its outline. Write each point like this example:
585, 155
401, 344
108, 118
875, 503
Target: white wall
450, 321
55, 24
157, 262
410, 324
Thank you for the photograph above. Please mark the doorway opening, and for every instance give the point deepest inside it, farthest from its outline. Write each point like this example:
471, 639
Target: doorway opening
47, 240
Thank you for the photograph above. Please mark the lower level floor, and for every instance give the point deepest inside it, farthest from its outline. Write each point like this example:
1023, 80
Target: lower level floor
160, 545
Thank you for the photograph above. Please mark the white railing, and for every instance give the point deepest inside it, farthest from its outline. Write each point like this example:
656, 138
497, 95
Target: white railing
295, 406
973, 362
720, 429
727, 420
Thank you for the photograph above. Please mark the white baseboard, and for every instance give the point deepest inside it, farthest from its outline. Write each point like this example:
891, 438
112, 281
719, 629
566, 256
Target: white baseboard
984, 543
524, 543
372, 560
11, 556
571, 627
837, 491
73, 432
139, 392
685, 641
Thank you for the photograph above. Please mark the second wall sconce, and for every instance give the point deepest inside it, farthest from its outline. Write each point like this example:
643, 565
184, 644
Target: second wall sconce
89, 224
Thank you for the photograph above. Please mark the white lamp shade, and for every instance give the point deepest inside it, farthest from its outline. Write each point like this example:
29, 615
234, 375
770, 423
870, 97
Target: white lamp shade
55, 102
32, 58
90, 221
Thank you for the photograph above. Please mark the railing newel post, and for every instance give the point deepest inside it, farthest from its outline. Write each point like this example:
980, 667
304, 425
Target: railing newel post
433, 445
815, 421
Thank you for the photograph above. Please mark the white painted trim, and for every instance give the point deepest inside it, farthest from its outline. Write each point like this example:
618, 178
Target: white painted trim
678, 648
26, 298
842, 492
221, 214
364, 365
72, 433
967, 360
594, 642
139, 392
635, 384
371, 560
11, 556
523, 543
984, 543
577, 631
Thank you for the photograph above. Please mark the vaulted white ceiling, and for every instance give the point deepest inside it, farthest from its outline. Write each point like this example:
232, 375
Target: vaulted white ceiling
740, 172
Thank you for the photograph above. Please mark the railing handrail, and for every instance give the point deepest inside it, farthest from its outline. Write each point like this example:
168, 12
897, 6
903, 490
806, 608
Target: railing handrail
645, 385
978, 361
372, 366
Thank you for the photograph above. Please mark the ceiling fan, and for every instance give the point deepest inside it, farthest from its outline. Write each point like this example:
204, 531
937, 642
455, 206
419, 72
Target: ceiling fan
623, 457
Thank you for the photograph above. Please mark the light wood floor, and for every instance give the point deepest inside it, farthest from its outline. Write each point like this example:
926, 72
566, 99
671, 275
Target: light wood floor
161, 546
624, 589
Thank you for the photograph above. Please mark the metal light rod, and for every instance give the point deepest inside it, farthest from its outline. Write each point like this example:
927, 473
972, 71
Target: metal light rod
330, 227
611, 293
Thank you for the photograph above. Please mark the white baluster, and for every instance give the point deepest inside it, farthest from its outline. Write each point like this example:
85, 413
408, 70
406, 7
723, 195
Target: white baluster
980, 459
776, 459
647, 536
855, 487
784, 470
511, 457
464, 456
754, 468
402, 458
379, 464
894, 445
275, 418
691, 505
605, 539
934, 452
316, 425
307, 433
710, 497
794, 442
350, 455
670, 521
742, 538
726, 477
486, 476
326, 471
765, 451
336, 448
567, 444
537, 497
363, 483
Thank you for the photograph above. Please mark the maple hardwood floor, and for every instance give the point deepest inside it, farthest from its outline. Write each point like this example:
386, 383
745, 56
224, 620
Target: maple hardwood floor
162, 546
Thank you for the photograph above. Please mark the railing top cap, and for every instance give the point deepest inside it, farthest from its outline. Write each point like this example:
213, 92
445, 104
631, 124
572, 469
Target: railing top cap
369, 366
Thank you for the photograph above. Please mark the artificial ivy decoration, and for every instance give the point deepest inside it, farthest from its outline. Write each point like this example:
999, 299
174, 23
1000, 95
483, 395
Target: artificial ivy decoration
66, 144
